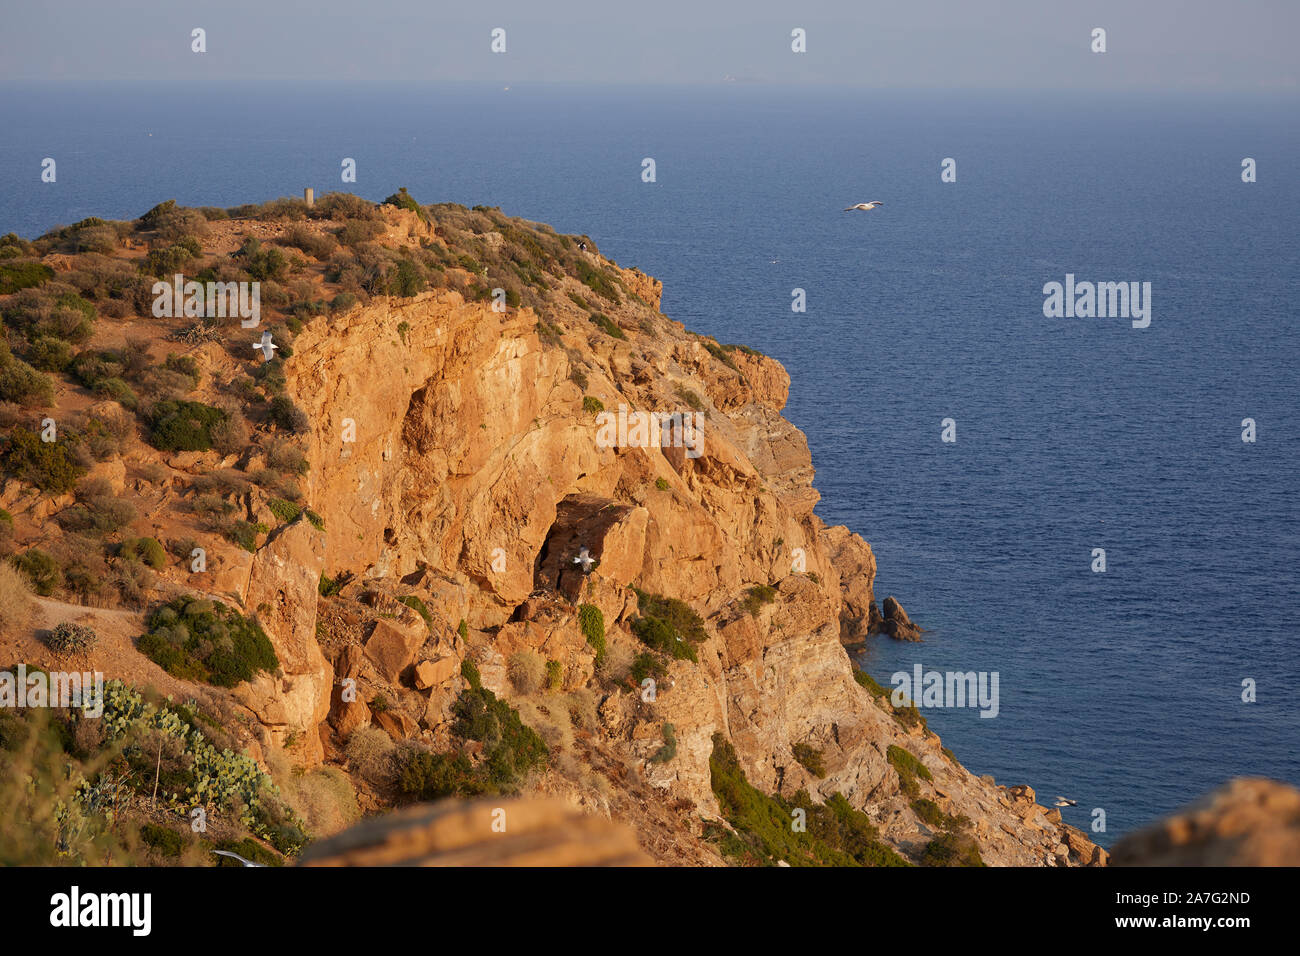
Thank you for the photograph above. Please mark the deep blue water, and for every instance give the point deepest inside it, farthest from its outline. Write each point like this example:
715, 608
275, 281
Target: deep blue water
1121, 690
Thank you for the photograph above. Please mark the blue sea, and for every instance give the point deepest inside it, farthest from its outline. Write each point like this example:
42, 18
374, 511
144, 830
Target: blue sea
1122, 689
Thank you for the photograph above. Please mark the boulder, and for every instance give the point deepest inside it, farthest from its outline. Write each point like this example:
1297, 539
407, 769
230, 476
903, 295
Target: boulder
392, 647
282, 593
1246, 822
429, 674
396, 724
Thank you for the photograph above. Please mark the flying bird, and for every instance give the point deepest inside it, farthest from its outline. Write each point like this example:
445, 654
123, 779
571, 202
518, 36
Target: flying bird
266, 347
865, 206
586, 560
237, 857
1062, 802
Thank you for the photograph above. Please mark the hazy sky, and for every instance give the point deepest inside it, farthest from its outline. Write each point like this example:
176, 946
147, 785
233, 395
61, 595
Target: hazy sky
977, 44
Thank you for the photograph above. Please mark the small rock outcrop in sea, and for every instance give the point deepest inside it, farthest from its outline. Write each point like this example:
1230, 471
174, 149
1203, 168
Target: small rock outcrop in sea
896, 623
1248, 821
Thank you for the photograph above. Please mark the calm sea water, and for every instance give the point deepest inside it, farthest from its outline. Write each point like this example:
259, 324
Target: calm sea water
1121, 690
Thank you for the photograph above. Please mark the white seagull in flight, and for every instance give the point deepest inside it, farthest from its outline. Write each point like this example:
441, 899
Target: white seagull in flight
266, 347
865, 206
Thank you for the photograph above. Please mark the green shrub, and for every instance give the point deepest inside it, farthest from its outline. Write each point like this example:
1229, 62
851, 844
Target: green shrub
204, 640
431, 776
668, 625
317, 245
354, 232
403, 200
469, 671
119, 391
661, 484
908, 768
592, 405
283, 413
47, 465
836, 834
23, 275
597, 281
866, 680
342, 302
669, 750
463, 629
929, 812
693, 401
49, 354
811, 759
148, 550
756, 597
286, 511
510, 748
649, 665
41, 569
167, 842
179, 425
263, 264
592, 622
554, 676
22, 384
952, 849
166, 262
244, 534
606, 325
328, 586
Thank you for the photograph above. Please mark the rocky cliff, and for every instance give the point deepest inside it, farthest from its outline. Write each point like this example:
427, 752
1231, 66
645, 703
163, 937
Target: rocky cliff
481, 477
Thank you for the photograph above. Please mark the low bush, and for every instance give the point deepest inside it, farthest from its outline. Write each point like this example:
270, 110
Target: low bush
22, 384
146, 550
810, 758
47, 465
592, 622
756, 597
41, 570
70, 638
204, 640
284, 414
908, 769
835, 834
15, 600
23, 275
606, 325
668, 625
527, 671
178, 425
952, 849
669, 750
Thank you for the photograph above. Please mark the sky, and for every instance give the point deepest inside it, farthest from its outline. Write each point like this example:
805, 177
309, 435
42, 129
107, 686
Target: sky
1156, 45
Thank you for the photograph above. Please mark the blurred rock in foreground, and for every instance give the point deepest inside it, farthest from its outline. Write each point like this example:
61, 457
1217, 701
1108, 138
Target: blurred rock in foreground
455, 833
1245, 822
